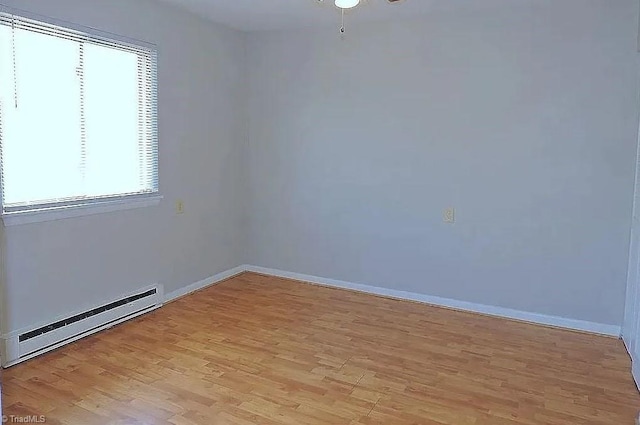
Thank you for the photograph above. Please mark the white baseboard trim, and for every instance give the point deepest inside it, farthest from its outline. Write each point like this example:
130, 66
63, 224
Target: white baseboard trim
635, 371
561, 322
635, 365
541, 319
217, 278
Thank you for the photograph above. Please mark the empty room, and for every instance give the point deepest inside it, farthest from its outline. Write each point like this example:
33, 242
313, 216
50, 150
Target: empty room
309, 212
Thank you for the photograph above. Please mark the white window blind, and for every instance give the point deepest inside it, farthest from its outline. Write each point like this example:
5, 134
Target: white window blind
78, 117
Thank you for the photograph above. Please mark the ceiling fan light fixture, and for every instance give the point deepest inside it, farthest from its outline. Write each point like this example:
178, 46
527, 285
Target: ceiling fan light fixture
347, 4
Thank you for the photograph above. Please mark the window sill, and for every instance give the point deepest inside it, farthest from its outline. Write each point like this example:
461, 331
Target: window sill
61, 213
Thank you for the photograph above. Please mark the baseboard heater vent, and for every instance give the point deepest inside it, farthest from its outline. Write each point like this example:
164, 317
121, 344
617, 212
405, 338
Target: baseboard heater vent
21, 346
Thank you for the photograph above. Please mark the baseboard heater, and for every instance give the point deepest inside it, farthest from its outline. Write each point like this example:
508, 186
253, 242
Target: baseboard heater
23, 345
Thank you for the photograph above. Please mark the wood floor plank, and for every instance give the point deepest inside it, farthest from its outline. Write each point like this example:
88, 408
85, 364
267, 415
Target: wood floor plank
263, 350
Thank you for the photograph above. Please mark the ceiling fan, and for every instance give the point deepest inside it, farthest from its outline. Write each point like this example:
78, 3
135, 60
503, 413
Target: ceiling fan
350, 4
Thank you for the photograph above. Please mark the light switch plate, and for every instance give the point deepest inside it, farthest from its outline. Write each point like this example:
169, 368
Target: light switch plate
449, 215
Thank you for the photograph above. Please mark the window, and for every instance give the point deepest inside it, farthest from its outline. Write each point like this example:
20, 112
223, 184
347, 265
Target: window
78, 121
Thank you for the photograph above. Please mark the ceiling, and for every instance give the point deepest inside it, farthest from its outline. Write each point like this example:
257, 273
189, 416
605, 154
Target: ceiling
256, 15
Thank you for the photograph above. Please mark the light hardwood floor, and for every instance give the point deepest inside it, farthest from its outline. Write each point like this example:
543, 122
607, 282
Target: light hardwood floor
263, 350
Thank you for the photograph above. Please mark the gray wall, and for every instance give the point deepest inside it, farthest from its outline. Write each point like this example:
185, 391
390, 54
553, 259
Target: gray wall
523, 117
57, 267
335, 158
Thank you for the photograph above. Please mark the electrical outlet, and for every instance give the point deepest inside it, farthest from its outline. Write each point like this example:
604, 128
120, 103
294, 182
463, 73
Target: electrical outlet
179, 207
449, 215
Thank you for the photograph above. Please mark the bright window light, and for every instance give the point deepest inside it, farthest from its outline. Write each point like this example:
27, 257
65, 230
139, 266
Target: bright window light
78, 120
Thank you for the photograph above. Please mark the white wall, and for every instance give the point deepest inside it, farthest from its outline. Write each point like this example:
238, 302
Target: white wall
632, 307
57, 267
631, 322
523, 117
